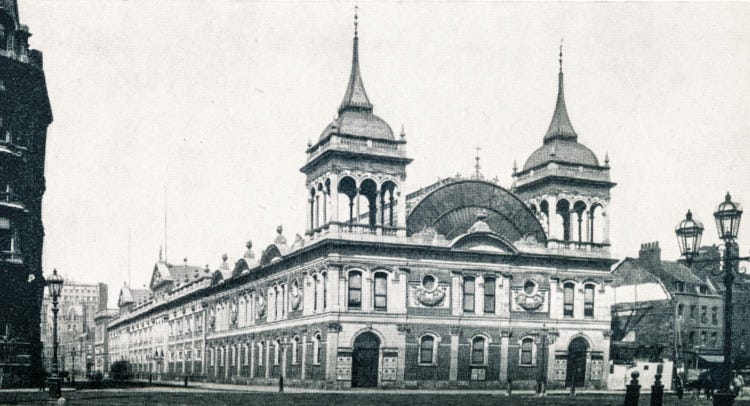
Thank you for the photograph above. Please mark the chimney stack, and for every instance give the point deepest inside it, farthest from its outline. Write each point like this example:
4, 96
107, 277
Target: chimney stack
650, 255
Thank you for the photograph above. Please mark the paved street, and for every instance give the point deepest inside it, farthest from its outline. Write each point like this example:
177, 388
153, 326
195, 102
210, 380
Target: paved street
206, 396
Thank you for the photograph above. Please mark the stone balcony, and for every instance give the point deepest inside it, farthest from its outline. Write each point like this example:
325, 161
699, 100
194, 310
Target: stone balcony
554, 169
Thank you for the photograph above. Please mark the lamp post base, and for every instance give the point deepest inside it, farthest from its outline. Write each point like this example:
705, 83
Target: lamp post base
722, 398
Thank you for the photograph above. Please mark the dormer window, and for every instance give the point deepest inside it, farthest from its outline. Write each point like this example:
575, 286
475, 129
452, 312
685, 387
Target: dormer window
679, 286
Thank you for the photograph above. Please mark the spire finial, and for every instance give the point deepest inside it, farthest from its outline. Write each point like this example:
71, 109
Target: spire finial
356, 17
403, 132
561, 49
477, 167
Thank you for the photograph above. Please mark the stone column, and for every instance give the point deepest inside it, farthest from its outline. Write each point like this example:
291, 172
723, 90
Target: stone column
554, 233
252, 359
284, 345
403, 330
332, 348
342, 299
401, 211
455, 335
504, 343
267, 347
479, 296
333, 290
303, 362
334, 215
367, 291
228, 360
456, 293
239, 359
605, 219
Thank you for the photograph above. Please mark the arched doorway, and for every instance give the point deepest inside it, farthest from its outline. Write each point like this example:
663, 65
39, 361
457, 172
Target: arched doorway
365, 361
576, 373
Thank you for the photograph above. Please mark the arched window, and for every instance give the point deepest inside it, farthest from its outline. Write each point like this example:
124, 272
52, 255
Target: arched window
316, 349
527, 351
295, 345
380, 287
469, 289
355, 290
427, 349
489, 295
588, 300
478, 348
568, 298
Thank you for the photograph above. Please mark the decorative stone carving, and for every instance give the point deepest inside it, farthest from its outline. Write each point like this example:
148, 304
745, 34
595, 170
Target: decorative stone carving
334, 327
530, 302
295, 295
403, 328
607, 334
234, 310
430, 298
261, 307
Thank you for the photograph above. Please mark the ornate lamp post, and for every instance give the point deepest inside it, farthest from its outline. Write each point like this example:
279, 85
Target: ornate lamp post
727, 215
54, 284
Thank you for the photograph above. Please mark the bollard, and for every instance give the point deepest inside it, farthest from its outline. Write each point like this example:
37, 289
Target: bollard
510, 386
633, 390
657, 389
281, 384
186, 380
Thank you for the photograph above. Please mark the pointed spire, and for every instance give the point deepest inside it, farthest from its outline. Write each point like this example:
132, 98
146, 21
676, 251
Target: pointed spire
161, 256
355, 97
560, 127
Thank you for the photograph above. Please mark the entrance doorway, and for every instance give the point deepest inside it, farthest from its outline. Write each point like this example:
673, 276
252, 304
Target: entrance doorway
576, 373
365, 361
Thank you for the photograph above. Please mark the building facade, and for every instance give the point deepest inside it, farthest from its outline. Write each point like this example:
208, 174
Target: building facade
459, 286
25, 114
664, 311
79, 304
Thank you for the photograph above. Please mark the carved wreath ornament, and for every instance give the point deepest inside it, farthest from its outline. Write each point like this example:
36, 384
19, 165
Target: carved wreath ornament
529, 298
429, 293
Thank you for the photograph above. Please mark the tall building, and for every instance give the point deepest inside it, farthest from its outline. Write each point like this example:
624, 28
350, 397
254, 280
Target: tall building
79, 304
566, 186
25, 114
460, 286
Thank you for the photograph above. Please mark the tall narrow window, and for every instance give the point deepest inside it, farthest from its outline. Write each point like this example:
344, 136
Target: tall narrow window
381, 291
6, 235
714, 315
316, 349
426, 347
704, 314
568, 297
355, 290
489, 295
325, 290
588, 301
477, 350
315, 293
469, 288
527, 351
295, 345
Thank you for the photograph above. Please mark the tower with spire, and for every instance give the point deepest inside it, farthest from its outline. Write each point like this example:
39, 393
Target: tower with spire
565, 185
25, 114
355, 171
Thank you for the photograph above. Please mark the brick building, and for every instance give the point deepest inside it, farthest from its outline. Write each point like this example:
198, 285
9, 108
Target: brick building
664, 311
466, 284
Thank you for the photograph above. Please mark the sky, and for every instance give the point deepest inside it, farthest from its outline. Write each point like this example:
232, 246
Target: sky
213, 102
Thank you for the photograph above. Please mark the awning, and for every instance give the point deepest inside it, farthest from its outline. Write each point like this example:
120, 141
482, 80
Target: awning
714, 359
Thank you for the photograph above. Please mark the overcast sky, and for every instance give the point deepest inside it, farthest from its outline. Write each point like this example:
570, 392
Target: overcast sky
216, 101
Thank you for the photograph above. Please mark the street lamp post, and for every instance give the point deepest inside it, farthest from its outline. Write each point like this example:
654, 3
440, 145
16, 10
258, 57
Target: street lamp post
54, 284
73, 361
689, 231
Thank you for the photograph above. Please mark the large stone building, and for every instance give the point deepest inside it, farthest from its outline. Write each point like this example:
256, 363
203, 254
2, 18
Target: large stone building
461, 285
25, 114
79, 304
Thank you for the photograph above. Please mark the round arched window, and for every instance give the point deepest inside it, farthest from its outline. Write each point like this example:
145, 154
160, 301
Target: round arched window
529, 287
429, 282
